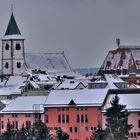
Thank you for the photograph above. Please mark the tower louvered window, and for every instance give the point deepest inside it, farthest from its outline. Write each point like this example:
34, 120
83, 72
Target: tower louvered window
6, 65
18, 46
18, 65
7, 47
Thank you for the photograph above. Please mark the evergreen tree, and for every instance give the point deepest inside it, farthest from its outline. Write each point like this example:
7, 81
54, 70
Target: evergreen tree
99, 134
23, 133
10, 133
117, 127
40, 131
61, 135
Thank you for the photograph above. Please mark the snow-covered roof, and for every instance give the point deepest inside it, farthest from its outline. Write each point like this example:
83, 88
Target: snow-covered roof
112, 79
34, 84
6, 102
85, 97
15, 80
26, 104
132, 101
69, 84
124, 58
50, 62
16, 37
10, 90
133, 86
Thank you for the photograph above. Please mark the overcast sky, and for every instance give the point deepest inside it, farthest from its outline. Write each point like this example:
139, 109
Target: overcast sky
84, 29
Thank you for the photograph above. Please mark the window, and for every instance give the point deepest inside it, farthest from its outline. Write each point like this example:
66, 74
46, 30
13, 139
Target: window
86, 118
6, 65
135, 135
7, 46
14, 115
82, 118
2, 124
139, 123
18, 46
28, 124
63, 118
70, 129
138, 133
67, 118
78, 118
27, 115
18, 65
59, 118
16, 125
75, 129
46, 118
131, 135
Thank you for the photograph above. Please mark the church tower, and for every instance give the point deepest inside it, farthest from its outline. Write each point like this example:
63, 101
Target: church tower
13, 57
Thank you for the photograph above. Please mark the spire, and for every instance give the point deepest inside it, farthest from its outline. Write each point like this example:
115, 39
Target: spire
12, 28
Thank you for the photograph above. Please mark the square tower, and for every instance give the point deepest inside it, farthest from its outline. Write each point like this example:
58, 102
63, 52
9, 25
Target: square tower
13, 57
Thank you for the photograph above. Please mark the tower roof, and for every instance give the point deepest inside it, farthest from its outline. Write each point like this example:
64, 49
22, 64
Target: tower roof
12, 28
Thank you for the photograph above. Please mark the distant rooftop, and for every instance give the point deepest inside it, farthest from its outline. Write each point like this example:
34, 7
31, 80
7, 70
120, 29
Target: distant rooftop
129, 47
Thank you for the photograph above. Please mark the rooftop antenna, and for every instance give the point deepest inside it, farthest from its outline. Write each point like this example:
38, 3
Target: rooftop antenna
12, 9
118, 42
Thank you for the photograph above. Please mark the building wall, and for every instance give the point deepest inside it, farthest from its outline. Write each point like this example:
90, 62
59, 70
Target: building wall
19, 118
81, 130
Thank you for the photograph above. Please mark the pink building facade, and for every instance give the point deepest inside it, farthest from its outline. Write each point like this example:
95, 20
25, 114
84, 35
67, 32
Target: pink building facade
78, 122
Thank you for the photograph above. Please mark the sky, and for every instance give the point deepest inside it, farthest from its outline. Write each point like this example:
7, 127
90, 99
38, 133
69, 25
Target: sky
84, 29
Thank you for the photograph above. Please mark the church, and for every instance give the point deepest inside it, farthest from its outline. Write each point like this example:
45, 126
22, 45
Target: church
15, 61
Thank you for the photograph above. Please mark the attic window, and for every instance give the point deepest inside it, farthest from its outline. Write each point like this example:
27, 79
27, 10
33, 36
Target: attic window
7, 46
18, 46
18, 65
72, 102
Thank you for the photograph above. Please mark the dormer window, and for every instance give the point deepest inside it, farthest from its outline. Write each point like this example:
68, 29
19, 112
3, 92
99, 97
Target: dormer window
18, 46
18, 65
7, 46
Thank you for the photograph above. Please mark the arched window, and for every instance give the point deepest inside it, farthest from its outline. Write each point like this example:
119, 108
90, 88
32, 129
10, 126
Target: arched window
18, 65
6, 65
18, 46
7, 46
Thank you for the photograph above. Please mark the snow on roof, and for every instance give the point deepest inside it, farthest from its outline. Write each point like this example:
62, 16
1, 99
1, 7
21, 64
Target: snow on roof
122, 59
36, 86
9, 90
111, 79
50, 62
132, 101
85, 97
69, 84
15, 81
7, 37
6, 102
43, 77
133, 86
26, 104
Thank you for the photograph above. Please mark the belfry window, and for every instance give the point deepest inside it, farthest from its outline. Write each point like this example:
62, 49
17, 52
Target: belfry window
6, 65
7, 46
18, 46
18, 65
